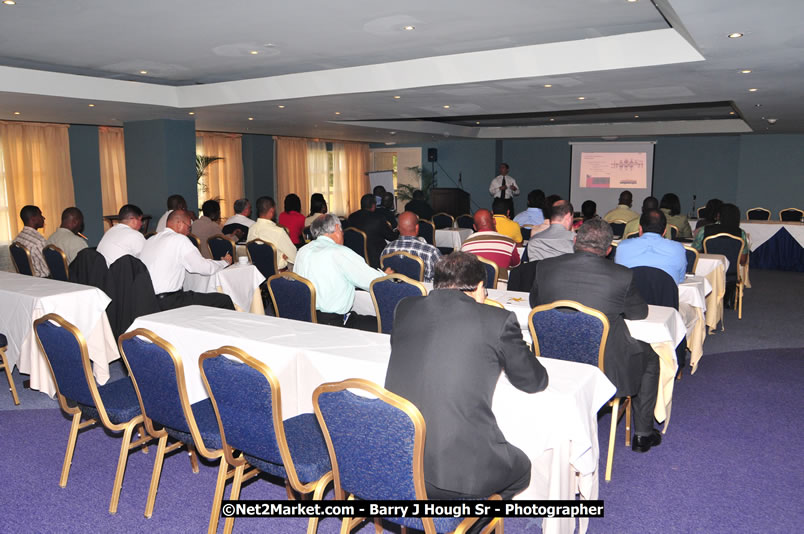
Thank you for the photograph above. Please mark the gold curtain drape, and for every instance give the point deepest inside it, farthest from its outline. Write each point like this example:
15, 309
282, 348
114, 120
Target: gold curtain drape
112, 149
224, 178
357, 166
291, 171
35, 170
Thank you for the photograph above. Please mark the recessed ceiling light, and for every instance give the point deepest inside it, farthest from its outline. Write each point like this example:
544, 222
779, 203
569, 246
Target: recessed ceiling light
397, 97
409, 28
254, 52
753, 90
548, 85
735, 35
732, 113
581, 98
636, 116
552, 120
91, 105
757, 105
143, 72
251, 118
632, 1
477, 122
745, 71
392, 133
446, 106
280, 106
9, 2
16, 113
337, 113
191, 113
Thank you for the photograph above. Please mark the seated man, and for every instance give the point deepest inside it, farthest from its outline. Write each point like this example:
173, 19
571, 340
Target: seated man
169, 256
124, 238
378, 233
532, 216
623, 211
490, 244
652, 250
419, 206
451, 379
66, 236
557, 238
504, 225
266, 229
174, 202
386, 209
335, 271
649, 203
32, 220
410, 242
208, 225
586, 276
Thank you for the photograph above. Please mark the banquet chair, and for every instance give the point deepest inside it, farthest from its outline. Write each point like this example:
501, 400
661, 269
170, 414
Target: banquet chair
525, 230
21, 258
672, 229
791, 215
692, 258
730, 246
405, 263
194, 240
492, 272
618, 227
146, 222
376, 447
149, 235
247, 401
427, 231
356, 240
465, 221
443, 220
293, 297
220, 245
56, 261
758, 214
158, 377
263, 256
631, 235
701, 212
237, 229
386, 292
4, 365
578, 336
113, 405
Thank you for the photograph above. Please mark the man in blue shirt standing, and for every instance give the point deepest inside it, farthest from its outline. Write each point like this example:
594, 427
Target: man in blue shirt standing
650, 249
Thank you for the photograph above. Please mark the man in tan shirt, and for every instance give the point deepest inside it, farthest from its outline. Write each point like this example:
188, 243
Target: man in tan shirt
266, 229
207, 225
67, 236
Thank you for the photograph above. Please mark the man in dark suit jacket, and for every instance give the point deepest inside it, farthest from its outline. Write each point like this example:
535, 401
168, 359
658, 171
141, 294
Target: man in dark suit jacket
589, 278
373, 224
450, 375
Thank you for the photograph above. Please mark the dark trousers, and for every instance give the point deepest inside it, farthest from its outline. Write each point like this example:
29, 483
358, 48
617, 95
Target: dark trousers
358, 322
180, 299
644, 402
518, 480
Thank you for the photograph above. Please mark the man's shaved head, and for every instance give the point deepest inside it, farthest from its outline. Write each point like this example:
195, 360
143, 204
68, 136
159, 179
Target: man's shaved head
484, 221
179, 221
408, 223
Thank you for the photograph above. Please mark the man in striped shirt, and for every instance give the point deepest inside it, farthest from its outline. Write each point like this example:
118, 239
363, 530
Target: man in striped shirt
487, 243
33, 219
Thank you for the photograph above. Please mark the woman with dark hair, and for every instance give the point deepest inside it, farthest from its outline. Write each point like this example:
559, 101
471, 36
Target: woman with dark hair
292, 219
588, 211
671, 206
318, 207
728, 222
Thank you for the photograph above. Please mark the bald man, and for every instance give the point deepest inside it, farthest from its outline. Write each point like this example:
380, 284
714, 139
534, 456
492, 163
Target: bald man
170, 255
67, 237
408, 226
487, 243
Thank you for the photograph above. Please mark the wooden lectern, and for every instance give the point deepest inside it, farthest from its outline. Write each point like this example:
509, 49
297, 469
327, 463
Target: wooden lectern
449, 200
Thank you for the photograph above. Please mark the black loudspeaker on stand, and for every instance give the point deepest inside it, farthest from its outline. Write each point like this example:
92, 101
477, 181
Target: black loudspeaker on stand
432, 154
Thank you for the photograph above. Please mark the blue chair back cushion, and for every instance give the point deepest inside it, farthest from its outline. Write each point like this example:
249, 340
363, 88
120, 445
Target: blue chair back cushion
64, 354
617, 229
263, 258
55, 263
465, 222
489, 274
442, 221
426, 232
219, 247
388, 294
405, 266
21, 259
292, 298
656, 286
355, 241
568, 335
690, 261
3, 341
729, 248
758, 215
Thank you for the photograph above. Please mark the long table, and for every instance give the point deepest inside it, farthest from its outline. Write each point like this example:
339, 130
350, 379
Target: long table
556, 428
713, 267
241, 281
27, 298
776, 245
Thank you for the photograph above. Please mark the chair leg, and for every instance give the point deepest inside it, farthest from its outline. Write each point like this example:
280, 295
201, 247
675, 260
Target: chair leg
121, 468
235, 495
615, 409
627, 403
160, 458
68, 455
289, 491
378, 525
140, 433
220, 484
739, 300
11, 385
193, 458
318, 494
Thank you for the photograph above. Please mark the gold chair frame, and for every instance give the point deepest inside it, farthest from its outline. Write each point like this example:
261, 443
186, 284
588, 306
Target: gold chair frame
620, 221
405, 254
669, 229
496, 271
420, 431
760, 209
365, 240
162, 449
430, 223
232, 248
800, 212
17, 244
400, 277
261, 242
740, 283
63, 258
7, 368
239, 462
692, 249
629, 234
195, 240
293, 276
444, 213
127, 428
464, 215
616, 409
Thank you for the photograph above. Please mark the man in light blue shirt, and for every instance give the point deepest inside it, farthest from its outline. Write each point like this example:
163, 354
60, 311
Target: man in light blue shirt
533, 215
335, 271
650, 249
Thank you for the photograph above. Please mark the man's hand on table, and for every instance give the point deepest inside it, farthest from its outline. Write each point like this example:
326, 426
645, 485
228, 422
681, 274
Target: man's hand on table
227, 258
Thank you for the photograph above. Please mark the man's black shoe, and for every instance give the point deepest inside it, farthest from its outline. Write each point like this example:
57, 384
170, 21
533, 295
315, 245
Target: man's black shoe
644, 443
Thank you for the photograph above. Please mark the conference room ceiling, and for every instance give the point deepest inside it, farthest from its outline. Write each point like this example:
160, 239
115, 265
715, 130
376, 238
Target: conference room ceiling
473, 69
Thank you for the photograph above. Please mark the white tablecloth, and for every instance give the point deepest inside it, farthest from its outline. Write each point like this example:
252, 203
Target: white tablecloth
27, 298
240, 282
693, 291
713, 267
556, 428
762, 231
451, 237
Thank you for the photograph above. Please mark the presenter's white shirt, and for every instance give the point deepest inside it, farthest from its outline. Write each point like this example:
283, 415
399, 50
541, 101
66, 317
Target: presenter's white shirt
240, 219
120, 240
496, 183
169, 256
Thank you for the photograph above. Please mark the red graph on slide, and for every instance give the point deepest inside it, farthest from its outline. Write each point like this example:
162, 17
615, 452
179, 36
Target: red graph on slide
597, 181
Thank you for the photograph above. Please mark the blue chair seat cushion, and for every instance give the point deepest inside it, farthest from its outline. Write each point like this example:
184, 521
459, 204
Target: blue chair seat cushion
442, 524
119, 399
307, 448
207, 423
3, 340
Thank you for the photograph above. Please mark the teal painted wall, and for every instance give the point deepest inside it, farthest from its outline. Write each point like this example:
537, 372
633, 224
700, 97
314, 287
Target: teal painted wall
85, 164
771, 172
258, 167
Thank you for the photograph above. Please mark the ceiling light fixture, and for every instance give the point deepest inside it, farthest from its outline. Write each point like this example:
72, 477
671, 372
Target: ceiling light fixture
397, 97
735, 35
16, 113
337, 113
251, 118
753, 90
446, 106
254, 52
548, 85
745, 71
632, 1
280, 106
91, 105
477, 122
409, 28
191, 113
9, 2
552, 120
732, 113
636, 116
143, 72
581, 98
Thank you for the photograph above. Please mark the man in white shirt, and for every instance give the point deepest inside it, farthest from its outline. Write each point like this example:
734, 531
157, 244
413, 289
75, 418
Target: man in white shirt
174, 202
125, 237
504, 186
239, 223
66, 237
266, 229
169, 256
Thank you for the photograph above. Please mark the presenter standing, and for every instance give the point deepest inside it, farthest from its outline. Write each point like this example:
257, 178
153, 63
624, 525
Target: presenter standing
504, 186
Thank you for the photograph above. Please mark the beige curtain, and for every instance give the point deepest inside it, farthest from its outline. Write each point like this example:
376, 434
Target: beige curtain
318, 171
357, 166
34, 169
339, 193
112, 169
291, 171
224, 178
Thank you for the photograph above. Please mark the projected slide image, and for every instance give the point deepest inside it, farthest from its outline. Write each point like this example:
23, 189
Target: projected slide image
614, 170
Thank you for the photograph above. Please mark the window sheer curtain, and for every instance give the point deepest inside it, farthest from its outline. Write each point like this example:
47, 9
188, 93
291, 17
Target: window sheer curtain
292, 171
34, 169
318, 173
357, 166
223, 178
112, 148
